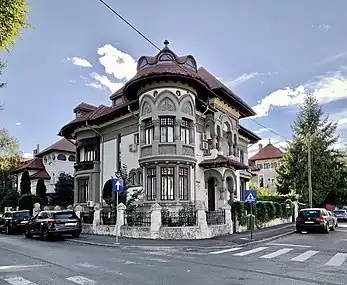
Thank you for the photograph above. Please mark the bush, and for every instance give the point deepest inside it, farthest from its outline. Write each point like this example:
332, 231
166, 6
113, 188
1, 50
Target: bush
278, 210
27, 201
277, 198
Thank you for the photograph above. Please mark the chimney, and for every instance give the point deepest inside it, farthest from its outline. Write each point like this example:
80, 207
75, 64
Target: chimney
37, 150
260, 146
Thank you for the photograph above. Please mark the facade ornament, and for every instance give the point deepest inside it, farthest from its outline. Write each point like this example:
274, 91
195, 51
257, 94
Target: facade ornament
167, 105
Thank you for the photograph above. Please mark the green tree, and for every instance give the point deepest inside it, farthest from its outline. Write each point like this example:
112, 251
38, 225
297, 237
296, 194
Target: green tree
27, 201
41, 191
13, 18
64, 191
327, 175
10, 200
25, 183
2, 84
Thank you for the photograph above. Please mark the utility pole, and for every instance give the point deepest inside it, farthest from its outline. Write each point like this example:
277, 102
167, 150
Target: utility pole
309, 166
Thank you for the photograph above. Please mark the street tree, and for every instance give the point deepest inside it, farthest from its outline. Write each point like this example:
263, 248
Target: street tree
64, 191
327, 174
41, 191
25, 183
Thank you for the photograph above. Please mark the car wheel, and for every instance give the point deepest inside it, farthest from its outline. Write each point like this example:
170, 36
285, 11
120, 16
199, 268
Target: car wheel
333, 227
337, 224
76, 235
45, 235
27, 233
327, 229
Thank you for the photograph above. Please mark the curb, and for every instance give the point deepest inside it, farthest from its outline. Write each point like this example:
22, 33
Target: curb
186, 248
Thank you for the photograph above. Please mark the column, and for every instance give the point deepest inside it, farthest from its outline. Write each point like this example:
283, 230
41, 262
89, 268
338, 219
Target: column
155, 221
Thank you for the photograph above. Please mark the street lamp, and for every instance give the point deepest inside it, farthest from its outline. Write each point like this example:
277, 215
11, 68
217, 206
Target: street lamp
309, 166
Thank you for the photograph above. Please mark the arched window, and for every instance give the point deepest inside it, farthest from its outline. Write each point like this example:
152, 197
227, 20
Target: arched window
61, 157
261, 181
139, 178
72, 158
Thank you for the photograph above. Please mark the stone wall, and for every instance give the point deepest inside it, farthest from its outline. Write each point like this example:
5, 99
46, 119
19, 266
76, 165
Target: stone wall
272, 223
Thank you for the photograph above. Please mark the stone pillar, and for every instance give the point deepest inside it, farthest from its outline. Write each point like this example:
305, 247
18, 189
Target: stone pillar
155, 220
228, 219
201, 217
96, 218
36, 209
214, 142
57, 208
120, 217
78, 210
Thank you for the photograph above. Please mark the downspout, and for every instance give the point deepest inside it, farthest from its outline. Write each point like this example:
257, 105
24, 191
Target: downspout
101, 160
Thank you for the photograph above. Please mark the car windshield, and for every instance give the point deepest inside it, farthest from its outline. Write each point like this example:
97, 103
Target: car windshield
309, 213
339, 212
65, 216
21, 215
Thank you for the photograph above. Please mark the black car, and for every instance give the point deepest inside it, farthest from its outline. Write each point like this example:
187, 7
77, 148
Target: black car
341, 215
314, 219
14, 221
54, 223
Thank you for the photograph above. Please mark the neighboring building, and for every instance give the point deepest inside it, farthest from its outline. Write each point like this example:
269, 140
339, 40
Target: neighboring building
179, 140
49, 164
264, 164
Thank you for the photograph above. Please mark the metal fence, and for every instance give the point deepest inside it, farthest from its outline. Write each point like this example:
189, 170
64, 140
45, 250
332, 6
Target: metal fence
108, 217
87, 217
215, 217
178, 219
137, 219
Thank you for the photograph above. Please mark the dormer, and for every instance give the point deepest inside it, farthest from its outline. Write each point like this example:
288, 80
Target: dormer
84, 108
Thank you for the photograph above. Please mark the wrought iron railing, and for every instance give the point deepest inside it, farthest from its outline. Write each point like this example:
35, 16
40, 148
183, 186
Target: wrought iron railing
87, 217
108, 217
215, 217
137, 219
182, 218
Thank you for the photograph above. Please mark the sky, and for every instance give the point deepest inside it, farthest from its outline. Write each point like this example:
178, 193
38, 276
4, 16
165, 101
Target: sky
270, 53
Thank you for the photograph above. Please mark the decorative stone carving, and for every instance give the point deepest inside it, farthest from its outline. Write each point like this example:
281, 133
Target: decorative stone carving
146, 151
167, 149
200, 128
70, 207
188, 151
97, 207
57, 208
146, 109
78, 208
187, 108
167, 105
46, 208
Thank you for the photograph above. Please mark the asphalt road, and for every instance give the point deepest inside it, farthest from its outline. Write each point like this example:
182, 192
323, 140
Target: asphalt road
296, 259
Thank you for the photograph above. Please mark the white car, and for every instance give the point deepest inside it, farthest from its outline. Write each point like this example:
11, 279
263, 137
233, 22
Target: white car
335, 219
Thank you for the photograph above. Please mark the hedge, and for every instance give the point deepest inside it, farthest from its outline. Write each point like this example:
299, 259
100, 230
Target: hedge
277, 198
264, 211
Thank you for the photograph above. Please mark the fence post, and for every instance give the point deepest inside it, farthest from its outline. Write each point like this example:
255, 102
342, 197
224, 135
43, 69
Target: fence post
155, 220
202, 222
78, 210
228, 219
120, 217
96, 218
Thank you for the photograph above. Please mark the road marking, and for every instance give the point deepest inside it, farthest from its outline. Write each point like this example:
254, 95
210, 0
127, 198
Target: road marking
225, 250
152, 259
342, 226
337, 259
304, 256
251, 251
277, 253
79, 280
288, 244
10, 268
17, 280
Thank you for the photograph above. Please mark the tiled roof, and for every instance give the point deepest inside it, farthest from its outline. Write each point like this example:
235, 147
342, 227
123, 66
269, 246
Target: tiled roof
33, 164
268, 152
222, 160
85, 107
62, 145
41, 174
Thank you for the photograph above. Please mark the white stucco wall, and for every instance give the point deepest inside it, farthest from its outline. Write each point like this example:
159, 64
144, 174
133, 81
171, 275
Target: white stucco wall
109, 160
130, 159
201, 191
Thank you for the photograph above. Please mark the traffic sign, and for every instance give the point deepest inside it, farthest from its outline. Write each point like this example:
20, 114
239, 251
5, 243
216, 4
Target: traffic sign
117, 185
250, 196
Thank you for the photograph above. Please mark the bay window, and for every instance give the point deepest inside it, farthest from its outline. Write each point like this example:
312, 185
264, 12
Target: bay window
183, 183
167, 129
167, 183
151, 188
82, 190
185, 131
149, 131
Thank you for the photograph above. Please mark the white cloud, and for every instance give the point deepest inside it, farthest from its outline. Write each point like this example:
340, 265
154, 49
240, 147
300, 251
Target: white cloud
18, 124
244, 77
104, 81
262, 131
341, 143
328, 88
27, 155
116, 62
341, 119
80, 61
277, 142
95, 85
333, 58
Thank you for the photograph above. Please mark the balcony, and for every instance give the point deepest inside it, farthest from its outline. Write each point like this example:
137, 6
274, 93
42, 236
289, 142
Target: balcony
84, 165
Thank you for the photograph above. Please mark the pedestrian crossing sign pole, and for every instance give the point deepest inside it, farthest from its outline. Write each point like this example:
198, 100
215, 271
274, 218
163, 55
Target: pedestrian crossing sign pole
117, 186
251, 198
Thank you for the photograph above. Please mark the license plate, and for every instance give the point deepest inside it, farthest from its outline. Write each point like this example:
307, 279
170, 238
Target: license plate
24, 222
309, 222
70, 224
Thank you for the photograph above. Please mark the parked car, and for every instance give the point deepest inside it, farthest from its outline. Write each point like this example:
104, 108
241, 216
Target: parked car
335, 219
54, 223
14, 221
314, 219
341, 215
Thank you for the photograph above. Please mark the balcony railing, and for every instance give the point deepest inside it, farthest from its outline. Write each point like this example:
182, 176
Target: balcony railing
84, 165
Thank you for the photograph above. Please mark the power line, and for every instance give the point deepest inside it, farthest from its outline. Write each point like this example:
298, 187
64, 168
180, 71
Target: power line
154, 45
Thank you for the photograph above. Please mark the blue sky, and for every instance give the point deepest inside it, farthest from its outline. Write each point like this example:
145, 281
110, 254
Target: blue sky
268, 52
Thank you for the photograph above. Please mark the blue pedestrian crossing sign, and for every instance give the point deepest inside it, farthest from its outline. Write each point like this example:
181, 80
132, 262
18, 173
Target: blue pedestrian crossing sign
250, 196
117, 185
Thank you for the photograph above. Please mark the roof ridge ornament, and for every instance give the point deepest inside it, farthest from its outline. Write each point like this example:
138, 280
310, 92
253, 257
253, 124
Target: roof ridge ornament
166, 43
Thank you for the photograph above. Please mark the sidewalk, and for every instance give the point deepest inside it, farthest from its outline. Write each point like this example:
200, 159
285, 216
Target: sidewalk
217, 242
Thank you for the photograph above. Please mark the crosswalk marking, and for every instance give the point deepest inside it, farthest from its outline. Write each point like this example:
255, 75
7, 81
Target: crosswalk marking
254, 250
277, 253
17, 280
304, 256
226, 250
337, 259
80, 280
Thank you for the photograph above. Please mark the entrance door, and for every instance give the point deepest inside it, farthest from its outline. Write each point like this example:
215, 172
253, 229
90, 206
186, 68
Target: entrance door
211, 195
